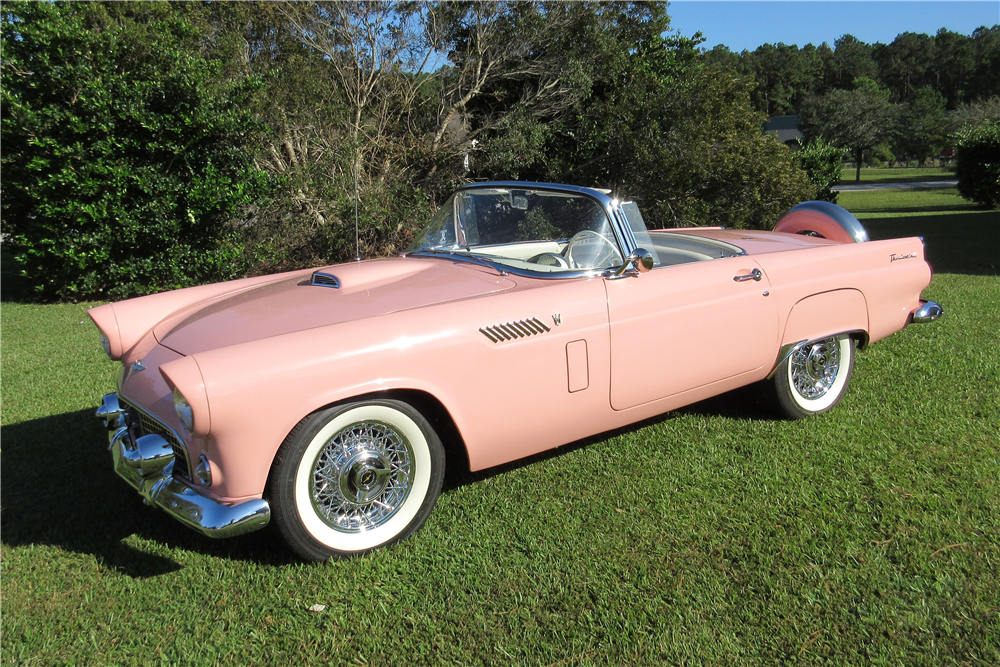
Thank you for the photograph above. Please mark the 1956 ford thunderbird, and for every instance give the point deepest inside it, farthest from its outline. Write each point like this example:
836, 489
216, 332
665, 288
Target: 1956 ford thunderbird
522, 318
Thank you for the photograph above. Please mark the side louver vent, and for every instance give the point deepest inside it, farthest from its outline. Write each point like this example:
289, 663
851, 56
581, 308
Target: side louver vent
325, 279
511, 330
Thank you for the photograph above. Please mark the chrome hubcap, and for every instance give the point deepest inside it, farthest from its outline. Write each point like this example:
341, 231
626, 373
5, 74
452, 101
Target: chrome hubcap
362, 477
814, 367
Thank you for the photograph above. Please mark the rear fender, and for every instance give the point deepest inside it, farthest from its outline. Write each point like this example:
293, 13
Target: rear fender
838, 311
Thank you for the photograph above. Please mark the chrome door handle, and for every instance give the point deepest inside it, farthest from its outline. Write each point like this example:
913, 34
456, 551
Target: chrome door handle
753, 275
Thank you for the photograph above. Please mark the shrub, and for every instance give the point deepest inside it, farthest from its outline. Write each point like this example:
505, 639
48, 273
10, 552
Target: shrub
123, 150
822, 163
977, 163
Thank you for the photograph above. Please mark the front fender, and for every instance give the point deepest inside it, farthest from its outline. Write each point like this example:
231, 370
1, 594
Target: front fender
259, 390
125, 323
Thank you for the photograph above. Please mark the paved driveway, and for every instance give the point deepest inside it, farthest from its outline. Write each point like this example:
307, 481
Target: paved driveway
894, 186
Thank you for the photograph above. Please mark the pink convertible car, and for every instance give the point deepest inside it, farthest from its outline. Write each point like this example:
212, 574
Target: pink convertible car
522, 318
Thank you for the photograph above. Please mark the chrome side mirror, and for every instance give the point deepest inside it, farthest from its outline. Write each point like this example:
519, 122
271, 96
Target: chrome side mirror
639, 261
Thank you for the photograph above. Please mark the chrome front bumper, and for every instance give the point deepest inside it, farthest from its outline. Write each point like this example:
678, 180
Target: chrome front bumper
147, 463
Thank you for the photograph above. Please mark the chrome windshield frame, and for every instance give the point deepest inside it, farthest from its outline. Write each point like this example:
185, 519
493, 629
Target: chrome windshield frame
619, 227
623, 235
612, 208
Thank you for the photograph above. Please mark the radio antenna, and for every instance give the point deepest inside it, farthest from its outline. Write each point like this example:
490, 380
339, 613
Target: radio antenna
357, 241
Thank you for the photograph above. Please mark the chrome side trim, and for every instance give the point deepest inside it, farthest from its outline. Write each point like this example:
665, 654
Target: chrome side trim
322, 279
927, 312
509, 331
147, 464
861, 337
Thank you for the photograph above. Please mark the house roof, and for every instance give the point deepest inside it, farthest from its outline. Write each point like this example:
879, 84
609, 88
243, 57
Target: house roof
775, 123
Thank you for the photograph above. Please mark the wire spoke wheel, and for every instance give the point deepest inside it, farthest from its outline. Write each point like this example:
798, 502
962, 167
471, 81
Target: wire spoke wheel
362, 477
813, 378
355, 477
814, 368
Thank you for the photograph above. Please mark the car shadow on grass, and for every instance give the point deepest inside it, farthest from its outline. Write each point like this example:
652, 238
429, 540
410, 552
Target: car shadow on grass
60, 489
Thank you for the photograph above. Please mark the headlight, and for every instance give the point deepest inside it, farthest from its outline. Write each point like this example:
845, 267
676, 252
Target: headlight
105, 343
184, 411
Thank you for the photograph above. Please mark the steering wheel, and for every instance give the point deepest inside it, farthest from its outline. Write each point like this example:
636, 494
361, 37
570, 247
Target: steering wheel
588, 249
550, 259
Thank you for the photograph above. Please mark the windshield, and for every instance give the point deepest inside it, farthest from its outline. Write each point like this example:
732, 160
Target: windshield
536, 230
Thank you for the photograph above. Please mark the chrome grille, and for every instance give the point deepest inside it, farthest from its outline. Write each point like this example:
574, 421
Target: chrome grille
143, 424
511, 330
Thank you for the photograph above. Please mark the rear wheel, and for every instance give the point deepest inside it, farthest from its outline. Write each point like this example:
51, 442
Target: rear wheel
355, 477
813, 378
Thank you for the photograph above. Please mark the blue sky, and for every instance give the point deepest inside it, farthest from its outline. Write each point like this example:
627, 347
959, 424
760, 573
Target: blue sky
747, 25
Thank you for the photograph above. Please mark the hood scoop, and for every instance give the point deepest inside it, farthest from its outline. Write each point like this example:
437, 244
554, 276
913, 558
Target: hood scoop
323, 279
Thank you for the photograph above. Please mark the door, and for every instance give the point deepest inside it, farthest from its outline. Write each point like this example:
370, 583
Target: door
677, 328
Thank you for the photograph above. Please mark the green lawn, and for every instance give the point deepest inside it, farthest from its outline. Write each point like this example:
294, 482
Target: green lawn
714, 535
960, 237
906, 203
886, 175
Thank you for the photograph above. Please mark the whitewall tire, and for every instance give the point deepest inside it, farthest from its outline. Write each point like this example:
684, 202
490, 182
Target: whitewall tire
814, 377
355, 477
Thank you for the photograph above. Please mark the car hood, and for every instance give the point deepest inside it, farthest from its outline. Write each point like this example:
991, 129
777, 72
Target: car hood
367, 289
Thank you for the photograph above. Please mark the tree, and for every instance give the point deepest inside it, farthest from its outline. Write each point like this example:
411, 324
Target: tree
985, 81
924, 124
723, 58
785, 75
904, 64
852, 59
185, 142
974, 113
123, 156
683, 138
953, 66
410, 126
858, 120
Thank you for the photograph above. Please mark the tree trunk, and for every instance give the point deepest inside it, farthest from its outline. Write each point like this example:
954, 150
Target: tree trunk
857, 165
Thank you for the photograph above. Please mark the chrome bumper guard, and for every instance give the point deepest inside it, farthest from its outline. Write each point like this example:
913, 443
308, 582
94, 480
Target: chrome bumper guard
147, 463
927, 312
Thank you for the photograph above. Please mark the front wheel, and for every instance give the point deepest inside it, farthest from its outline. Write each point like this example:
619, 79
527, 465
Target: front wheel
813, 378
355, 477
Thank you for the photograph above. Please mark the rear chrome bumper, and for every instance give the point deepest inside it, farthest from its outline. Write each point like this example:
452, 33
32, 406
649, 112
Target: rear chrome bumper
927, 312
147, 463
